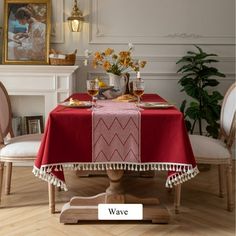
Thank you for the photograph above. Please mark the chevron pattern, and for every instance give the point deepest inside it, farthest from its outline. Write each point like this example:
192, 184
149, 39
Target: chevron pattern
116, 132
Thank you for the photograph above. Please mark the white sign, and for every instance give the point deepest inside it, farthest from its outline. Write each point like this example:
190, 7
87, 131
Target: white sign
120, 211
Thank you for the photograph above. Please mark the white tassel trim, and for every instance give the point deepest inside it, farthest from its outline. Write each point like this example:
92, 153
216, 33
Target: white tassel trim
49, 178
184, 171
181, 177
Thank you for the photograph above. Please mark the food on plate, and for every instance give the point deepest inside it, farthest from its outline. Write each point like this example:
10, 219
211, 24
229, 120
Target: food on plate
74, 102
126, 98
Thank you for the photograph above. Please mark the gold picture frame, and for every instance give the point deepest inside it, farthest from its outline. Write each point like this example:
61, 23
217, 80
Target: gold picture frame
27, 26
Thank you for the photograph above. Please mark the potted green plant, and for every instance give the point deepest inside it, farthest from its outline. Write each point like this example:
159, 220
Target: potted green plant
198, 77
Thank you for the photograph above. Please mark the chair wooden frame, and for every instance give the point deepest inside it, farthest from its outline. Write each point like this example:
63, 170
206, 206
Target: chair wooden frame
223, 163
10, 160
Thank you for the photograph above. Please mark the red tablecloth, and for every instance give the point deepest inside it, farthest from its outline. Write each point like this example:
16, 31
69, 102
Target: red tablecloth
67, 143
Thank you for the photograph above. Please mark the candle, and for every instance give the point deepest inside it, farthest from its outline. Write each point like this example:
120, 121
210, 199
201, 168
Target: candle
138, 75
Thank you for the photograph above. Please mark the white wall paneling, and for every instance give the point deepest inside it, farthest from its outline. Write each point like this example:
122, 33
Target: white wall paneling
57, 29
162, 22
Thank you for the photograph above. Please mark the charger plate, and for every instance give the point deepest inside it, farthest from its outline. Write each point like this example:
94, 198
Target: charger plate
81, 104
155, 105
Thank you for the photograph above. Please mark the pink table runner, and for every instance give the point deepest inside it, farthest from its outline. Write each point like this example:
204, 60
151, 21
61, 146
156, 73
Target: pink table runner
68, 142
116, 132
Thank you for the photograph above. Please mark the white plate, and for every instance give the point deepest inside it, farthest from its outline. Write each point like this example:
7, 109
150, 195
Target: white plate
80, 105
155, 105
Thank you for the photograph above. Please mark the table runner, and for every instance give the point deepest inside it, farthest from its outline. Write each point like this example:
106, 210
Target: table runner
116, 132
67, 143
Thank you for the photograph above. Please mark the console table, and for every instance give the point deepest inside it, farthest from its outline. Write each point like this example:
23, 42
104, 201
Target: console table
54, 83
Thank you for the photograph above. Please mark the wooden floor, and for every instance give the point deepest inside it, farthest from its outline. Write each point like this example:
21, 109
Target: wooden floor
25, 211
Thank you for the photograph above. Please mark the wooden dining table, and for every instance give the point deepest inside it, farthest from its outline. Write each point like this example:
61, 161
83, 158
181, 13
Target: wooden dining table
115, 137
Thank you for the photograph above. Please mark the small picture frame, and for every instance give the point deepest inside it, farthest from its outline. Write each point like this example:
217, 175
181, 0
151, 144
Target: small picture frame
27, 26
34, 124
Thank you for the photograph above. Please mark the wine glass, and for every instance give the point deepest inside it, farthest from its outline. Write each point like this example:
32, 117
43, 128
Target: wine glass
92, 89
138, 89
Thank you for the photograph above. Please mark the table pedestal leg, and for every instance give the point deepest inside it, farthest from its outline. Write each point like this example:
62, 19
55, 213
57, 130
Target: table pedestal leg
86, 208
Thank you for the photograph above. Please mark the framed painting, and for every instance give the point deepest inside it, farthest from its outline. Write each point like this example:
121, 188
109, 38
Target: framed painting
27, 26
34, 124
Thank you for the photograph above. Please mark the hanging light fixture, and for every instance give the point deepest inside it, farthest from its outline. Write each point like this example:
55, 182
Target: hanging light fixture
76, 19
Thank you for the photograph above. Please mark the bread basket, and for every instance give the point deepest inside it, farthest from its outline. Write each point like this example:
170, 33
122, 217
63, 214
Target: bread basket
62, 59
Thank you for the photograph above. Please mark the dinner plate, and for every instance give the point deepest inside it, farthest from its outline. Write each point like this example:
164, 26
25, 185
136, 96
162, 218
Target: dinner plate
155, 105
80, 105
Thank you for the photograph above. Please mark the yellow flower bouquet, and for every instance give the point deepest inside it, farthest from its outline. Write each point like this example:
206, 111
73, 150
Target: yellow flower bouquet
117, 63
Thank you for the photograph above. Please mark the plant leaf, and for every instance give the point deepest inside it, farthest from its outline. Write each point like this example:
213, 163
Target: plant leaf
183, 105
210, 82
188, 125
216, 96
193, 113
200, 50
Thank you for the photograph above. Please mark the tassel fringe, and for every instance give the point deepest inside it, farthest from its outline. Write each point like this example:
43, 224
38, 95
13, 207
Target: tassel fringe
181, 177
184, 171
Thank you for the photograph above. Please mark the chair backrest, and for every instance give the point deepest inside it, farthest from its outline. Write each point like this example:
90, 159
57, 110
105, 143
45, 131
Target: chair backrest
228, 110
5, 112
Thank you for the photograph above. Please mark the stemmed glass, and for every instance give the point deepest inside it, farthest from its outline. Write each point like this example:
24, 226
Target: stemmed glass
92, 89
138, 89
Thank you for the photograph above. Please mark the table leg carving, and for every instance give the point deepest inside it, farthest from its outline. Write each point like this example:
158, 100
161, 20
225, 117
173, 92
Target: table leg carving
86, 208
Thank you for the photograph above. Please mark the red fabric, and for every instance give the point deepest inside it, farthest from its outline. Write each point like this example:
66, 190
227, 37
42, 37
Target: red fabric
163, 135
68, 136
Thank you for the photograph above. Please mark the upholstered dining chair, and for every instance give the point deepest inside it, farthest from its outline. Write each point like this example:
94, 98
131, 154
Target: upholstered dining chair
218, 151
13, 149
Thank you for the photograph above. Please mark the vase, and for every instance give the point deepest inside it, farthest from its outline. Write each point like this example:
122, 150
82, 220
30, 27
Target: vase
118, 83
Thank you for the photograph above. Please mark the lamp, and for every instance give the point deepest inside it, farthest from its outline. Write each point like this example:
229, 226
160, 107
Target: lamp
76, 19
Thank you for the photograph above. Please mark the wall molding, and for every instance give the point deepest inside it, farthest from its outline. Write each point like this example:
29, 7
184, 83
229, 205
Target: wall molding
99, 36
230, 75
150, 75
165, 58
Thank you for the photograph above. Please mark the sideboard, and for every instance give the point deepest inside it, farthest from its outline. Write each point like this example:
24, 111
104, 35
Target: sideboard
54, 83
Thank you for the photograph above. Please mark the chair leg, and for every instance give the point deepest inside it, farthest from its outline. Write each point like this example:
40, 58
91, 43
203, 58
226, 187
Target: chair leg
8, 178
177, 198
229, 188
51, 196
221, 180
1, 178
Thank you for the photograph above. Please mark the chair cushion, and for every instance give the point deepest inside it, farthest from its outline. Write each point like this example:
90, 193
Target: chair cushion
22, 146
208, 147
